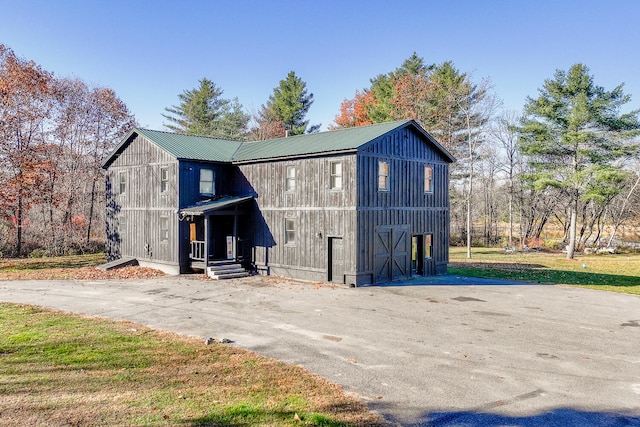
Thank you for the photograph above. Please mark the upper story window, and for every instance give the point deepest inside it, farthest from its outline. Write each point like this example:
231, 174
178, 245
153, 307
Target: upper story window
428, 179
336, 175
164, 180
122, 182
207, 184
383, 176
291, 178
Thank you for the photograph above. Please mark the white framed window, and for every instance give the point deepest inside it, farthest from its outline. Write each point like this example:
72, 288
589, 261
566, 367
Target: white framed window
428, 179
336, 176
289, 231
383, 176
122, 182
291, 178
428, 253
164, 180
164, 229
207, 184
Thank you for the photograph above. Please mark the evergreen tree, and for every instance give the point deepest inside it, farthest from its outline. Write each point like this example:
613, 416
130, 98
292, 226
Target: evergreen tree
390, 91
203, 111
289, 104
574, 132
445, 117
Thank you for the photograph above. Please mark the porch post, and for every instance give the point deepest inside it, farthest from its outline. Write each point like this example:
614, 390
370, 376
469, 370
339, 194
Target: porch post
207, 218
235, 233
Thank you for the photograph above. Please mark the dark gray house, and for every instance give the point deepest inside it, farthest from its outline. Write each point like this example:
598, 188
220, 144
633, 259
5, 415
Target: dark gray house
356, 206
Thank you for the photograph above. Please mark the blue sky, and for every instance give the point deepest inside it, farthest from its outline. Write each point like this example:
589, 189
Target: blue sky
150, 51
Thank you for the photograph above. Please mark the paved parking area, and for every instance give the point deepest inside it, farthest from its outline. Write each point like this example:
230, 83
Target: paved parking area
433, 353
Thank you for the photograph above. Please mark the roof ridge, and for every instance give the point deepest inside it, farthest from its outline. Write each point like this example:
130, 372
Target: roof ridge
216, 138
372, 124
329, 131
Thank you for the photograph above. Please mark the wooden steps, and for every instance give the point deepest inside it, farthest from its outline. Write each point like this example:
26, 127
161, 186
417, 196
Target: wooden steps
219, 270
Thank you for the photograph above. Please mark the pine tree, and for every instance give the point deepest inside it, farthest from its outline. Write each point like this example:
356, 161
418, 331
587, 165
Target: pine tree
203, 111
574, 133
290, 103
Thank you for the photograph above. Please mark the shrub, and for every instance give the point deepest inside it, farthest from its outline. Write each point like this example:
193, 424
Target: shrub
39, 253
628, 249
534, 243
553, 245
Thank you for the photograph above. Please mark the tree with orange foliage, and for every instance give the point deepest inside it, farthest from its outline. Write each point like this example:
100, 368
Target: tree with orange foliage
53, 135
353, 112
26, 102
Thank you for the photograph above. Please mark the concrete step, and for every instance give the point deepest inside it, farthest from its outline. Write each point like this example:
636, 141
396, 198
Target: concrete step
222, 262
234, 275
226, 270
224, 267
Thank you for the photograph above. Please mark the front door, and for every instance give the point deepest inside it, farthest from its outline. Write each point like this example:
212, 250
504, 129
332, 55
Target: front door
336, 260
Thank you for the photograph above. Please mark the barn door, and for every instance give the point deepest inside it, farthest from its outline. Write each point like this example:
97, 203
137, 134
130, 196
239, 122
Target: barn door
382, 263
399, 254
336, 260
391, 254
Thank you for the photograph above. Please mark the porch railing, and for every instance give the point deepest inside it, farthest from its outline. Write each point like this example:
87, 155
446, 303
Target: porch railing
243, 250
197, 250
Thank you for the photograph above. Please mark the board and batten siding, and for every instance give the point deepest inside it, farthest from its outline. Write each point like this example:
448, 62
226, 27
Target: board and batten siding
190, 181
135, 216
318, 212
404, 207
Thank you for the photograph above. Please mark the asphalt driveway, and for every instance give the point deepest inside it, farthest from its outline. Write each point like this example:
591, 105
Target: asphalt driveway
470, 354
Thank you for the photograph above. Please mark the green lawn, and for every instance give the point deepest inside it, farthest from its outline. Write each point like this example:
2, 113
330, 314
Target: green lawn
618, 273
58, 369
9, 265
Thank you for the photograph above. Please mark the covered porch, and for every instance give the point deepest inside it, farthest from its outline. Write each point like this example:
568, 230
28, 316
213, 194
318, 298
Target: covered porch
215, 232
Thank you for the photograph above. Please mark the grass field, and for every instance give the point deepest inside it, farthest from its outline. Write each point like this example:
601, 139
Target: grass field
618, 273
57, 369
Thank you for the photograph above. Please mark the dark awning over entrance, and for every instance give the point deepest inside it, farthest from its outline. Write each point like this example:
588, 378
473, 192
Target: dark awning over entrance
209, 207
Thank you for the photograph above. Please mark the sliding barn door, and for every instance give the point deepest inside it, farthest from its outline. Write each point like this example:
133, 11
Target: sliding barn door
391, 253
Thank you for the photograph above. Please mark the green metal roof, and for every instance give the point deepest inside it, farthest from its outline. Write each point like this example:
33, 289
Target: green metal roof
193, 147
314, 143
204, 148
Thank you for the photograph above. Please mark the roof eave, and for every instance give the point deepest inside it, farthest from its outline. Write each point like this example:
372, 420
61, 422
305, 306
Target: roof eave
435, 142
207, 208
296, 156
116, 151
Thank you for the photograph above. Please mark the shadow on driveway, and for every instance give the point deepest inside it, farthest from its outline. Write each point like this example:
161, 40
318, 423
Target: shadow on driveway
561, 417
452, 280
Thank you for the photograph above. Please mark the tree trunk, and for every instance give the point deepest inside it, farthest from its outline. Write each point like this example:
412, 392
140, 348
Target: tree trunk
469, 224
92, 203
511, 215
19, 225
572, 229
